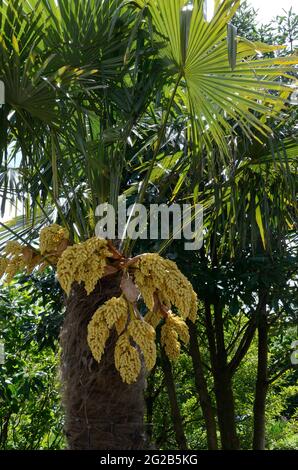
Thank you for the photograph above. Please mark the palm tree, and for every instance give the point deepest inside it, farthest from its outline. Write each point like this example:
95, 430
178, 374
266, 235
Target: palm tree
94, 91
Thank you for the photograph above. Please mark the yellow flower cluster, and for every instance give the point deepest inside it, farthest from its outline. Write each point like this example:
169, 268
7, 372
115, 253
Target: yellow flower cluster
33, 261
154, 274
102, 321
173, 328
84, 262
160, 282
121, 323
153, 318
127, 359
50, 239
14, 260
169, 340
115, 312
13, 248
179, 325
19, 257
98, 333
143, 335
3, 266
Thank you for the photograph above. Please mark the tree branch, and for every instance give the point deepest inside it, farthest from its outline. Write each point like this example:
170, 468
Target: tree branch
243, 346
279, 374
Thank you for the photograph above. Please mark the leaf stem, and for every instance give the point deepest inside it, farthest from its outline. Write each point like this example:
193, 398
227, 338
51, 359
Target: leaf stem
129, 243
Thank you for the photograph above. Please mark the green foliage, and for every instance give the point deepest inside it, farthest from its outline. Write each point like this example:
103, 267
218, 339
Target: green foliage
286, 26
281, 427
30, 411
162, 427
246, 22
151, 101
101, 87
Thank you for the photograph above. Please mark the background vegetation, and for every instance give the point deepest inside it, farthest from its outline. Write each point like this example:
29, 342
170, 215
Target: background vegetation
246, 260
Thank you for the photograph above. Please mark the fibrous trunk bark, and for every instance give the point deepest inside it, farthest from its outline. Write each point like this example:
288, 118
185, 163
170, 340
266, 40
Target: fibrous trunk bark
102, 412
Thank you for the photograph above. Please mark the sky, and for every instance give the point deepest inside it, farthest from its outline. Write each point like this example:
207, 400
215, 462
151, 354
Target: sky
271, 8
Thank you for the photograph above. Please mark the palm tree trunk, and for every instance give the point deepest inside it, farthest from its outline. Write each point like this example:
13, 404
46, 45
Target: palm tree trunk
102, 413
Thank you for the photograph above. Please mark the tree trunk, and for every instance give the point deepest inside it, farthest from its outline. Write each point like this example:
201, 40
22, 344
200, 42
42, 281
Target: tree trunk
4, 430
226, 410
102, 412
149, 421
261, 384
222, 377
150, 397
201, 385
176, 415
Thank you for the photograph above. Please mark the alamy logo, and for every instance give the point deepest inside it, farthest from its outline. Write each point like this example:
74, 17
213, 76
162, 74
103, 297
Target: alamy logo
159, 221
2, 93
